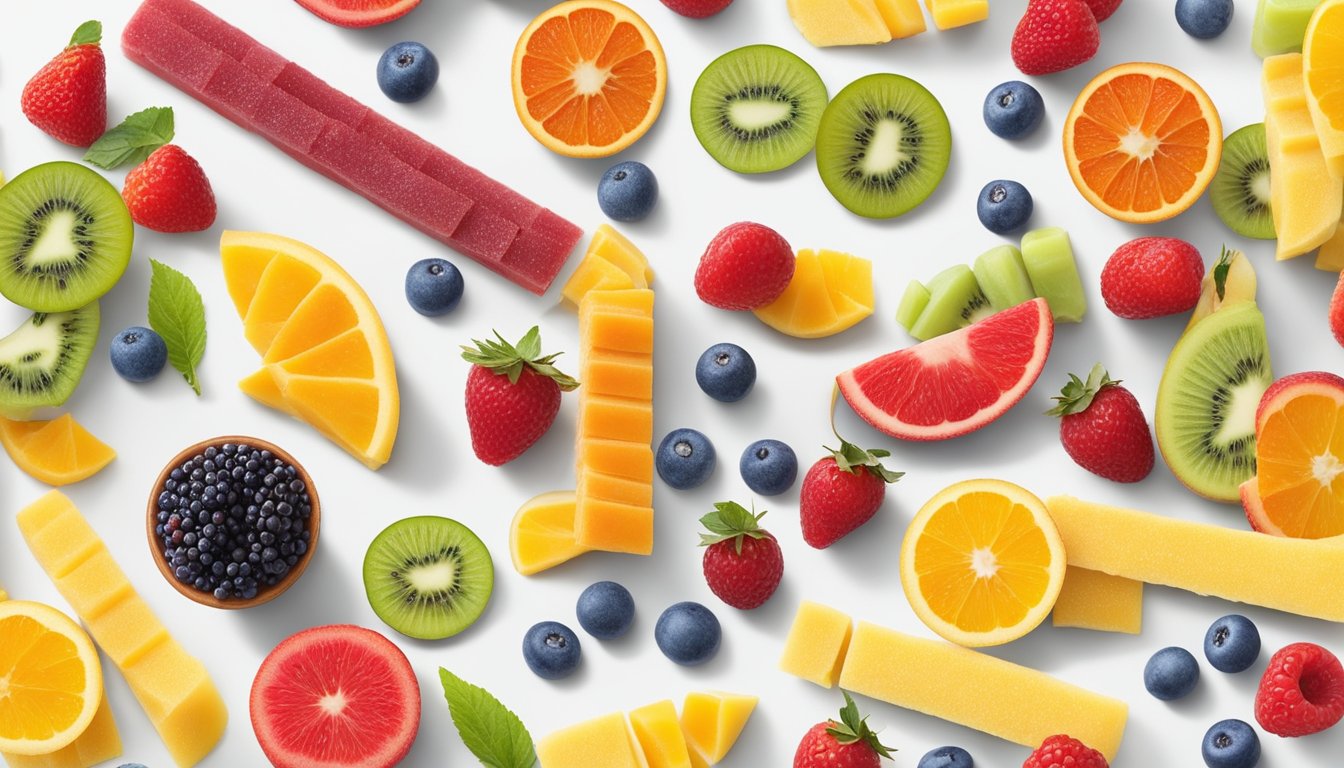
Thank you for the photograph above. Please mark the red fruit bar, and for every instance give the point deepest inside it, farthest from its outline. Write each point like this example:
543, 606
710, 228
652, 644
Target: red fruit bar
346, 141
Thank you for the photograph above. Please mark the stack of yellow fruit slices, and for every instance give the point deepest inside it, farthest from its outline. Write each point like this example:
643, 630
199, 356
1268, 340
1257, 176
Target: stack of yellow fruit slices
325, 355
57, 452
1304, 196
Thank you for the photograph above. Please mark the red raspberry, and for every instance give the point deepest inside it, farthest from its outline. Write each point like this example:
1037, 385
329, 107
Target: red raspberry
1065, 752
1302, 691
746, 266
1152, 277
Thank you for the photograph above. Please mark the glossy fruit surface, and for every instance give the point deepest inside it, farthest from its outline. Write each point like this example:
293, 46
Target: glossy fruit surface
1055, 35
627, 191
1301, 692
1013, 109
1151, 277
746, 266
67, 98
407, 72
138, 354
1004, 206
434, 287
169, 192
1232, 644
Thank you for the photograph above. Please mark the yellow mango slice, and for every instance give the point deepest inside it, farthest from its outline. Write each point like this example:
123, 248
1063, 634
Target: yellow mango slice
633, 461
839, 22
830, 292
614, 488
611, 418
619, 377
610, 526
57, 452
617, 248
325, 313
618, 332
1177, 553
172, 687
817, 642
989, 693
284, 283
904, 18
244, 262
712, 721
595, 273
950, 14
542, 533
659, 735
1304, 196
98, 743
602, 742
1099, 601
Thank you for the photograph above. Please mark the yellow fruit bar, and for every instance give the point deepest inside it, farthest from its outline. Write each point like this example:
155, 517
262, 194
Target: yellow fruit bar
978, 691
609, 418
173, 687
1242, 566
949, 14
713, 721
659, 735
1099, 601
817, 642
839, 22
602, 742
1304, 196
98, 743
904, 18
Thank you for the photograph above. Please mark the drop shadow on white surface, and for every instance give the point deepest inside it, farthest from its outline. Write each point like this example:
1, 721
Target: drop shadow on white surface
1039, 650
425, 459
872, 552
325, 594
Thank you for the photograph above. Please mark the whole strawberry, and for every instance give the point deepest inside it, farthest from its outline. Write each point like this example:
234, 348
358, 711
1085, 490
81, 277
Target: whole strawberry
743, 563
67, 98
1301, 692
169, 192
1152, 277
1065, 752
1103, 429
513, 394
842, 492
1055, 35
1102, 9
697, 9
849, 743
746, 266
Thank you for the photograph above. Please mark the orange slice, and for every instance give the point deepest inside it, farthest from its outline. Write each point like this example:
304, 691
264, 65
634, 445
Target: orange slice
982, 563
1323, 75
588, 78
542, 533
57, 452
1142, 142
51, 681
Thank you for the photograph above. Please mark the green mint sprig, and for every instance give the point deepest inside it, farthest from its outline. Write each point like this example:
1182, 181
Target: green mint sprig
134, 140
177, 314
494, 734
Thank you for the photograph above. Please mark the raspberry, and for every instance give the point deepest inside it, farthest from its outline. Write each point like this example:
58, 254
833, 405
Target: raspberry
1302, 691
746, 266
1065, 752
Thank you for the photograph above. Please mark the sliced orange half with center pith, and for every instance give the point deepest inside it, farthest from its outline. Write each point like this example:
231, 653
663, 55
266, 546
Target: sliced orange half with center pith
1142, 142
588, 78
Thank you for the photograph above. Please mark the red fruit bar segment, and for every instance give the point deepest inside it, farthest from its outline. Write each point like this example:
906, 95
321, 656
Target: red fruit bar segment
267, 64
234, 91
533, 255
287, 122
223, 36
313, 91
484, 190
170, 51
486, 232
412, 149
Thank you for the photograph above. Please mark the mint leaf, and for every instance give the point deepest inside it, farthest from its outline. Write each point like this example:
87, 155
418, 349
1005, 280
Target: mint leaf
132, 141
493, 734
177, 314
88, 33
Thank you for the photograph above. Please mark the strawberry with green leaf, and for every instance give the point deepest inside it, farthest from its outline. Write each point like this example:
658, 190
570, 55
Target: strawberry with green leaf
67, 98
842, 491
1103, 428
743, 563
513, 394
847, 743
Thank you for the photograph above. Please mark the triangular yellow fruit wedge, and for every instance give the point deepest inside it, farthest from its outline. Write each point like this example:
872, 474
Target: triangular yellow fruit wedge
345, 356
356, 414
712, 721
284, 284
1304, 196
324, 313
659, 735
848, 276
617, 248
904, 18
829, 293
542, 533
839, 22
57, 452
244, 257
261, 386
595, 273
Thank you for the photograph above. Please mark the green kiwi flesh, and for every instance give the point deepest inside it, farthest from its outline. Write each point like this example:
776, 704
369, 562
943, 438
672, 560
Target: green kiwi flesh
955, 301
1207, 399
65, 237
913, 302
883, 146
1240, 189
42, 361
1003, 277
428, 577
756, 109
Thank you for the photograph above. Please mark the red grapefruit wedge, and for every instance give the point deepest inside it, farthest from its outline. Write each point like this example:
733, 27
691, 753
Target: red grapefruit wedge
359, 13
954, 383
338, 696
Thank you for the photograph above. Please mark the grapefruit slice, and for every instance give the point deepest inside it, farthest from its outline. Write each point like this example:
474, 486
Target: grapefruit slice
338, 696
954, 383
359, 13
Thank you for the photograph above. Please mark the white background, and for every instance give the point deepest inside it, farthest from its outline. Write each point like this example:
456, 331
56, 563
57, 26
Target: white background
433, 471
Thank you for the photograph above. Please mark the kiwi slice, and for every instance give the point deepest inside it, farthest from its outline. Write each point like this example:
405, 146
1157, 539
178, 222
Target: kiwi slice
428, 577
42, 361
1207, 399
955, 301
883, 145
756, 109
1240, 189
65, 237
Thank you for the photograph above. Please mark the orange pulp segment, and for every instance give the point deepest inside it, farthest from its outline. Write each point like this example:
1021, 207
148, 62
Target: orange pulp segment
52, 679
57, 452
1299, 453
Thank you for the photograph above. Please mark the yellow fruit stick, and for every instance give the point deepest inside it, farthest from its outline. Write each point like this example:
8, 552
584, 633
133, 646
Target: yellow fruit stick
816, 645
659, 735
1299, 576
603, 742
839, 22
173, 687
949, 14
997, 697
1099, 601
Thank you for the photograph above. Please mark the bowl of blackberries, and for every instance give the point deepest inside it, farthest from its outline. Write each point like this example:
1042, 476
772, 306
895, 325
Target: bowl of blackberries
233, 521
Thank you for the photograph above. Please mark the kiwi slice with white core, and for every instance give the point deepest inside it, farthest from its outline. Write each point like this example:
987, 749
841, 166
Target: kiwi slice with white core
883, 146
65, 237
756, 109
1047, 254
1003, 277
428, 577
955, 301
1206, 401
1240, 190
42, 361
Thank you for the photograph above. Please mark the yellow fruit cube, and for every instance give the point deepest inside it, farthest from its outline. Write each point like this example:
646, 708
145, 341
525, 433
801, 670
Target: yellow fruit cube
595, 273
611, 488
602, 742
324, 314
614, 419
989, 694
618, 333
1305, 198
1099, 601
817, 642
904, 18
949, 14
621, 458
713, 721
542, 533
617, 249
610, 526
617, 376
839, 22
659, 735
98, 743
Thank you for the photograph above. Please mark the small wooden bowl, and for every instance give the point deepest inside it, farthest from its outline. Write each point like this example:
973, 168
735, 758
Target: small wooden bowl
265, 594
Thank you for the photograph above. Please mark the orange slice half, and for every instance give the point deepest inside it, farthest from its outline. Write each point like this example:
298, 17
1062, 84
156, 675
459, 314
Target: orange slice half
51, 681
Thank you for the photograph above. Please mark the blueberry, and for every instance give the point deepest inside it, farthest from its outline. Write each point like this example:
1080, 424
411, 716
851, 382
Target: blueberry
407, 71
725, 372
606, 610
1013, 109
433, 287
138, 354
768, 467
688, 634
946, 757
1204, 19
1232, 644
685, 459
1171, 673
1003, 206
627, 191
551, 650
1231, 744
